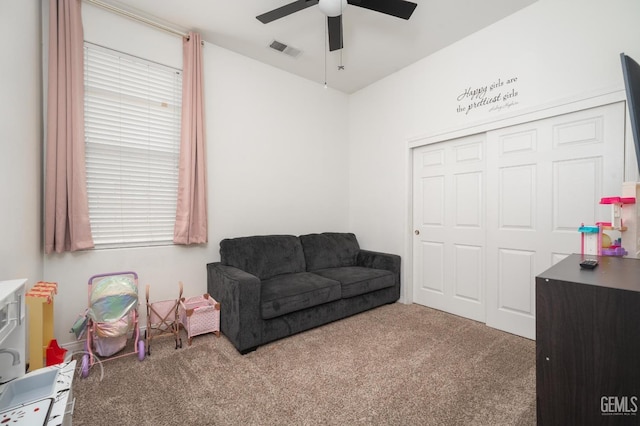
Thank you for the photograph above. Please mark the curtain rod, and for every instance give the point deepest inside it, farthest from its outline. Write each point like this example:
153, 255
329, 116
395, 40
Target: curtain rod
139, 18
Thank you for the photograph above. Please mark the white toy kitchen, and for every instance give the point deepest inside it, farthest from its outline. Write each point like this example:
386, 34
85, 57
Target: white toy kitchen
12, 330
41, 397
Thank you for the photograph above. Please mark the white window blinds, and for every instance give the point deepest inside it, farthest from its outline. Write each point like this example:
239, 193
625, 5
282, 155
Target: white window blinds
132, 133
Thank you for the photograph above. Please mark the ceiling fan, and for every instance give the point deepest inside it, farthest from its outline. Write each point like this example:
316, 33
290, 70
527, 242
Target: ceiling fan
333, 9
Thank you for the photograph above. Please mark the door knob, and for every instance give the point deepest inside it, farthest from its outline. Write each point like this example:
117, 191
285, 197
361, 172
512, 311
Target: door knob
416, 232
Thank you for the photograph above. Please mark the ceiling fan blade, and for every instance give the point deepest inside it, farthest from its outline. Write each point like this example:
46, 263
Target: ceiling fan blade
285, 10
334, 23
398, 8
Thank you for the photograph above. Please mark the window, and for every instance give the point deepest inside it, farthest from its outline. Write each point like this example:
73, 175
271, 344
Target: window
132, 133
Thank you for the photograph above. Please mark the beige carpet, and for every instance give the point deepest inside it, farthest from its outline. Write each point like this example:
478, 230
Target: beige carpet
395, 365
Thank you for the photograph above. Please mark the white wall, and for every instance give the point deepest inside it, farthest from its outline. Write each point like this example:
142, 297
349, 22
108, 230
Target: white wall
277, 145
20, 140
557, 49
277, 157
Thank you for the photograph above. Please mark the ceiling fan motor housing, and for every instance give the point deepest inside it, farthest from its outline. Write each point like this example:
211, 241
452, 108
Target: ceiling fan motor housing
332, 8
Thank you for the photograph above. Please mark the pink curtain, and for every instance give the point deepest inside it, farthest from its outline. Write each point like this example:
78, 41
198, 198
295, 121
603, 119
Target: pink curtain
67, 226
191, 212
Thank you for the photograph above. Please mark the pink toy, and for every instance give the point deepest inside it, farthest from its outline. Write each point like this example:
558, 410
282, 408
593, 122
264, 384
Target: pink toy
199, 315
590, 239
112, 314
162, 319
616, 209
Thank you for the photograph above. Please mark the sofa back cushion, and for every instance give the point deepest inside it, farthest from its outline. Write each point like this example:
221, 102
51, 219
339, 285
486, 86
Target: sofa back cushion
329, 250
264, 256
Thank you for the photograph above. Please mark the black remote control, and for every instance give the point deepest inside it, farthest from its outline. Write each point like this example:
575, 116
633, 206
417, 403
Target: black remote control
588, 263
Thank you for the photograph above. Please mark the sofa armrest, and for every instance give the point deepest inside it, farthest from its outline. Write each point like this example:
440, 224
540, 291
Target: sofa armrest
377, 260
239, 295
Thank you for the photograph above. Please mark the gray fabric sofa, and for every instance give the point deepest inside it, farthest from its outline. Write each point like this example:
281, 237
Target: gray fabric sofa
273, 286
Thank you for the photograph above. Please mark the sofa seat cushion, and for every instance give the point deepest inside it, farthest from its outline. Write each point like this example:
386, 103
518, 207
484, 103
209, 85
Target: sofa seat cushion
356, 280
292, 292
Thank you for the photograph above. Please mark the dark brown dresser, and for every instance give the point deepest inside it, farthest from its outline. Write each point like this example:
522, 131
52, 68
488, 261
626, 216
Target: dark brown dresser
588, 343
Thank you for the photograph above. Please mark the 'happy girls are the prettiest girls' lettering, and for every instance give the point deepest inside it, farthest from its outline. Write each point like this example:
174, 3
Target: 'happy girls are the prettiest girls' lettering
476, 97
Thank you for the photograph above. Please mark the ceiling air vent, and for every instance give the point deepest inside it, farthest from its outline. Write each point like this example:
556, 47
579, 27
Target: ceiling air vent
287, 50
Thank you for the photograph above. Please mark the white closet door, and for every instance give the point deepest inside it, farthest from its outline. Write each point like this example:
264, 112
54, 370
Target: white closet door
492, 211
544, 179
449, 226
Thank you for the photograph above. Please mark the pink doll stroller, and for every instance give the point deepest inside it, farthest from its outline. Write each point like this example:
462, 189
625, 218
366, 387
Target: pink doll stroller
112, 315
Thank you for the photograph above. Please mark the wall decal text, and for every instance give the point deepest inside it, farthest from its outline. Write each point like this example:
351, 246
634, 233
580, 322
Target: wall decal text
499, 94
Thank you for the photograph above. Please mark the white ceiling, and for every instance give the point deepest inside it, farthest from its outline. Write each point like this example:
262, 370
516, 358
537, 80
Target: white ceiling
375, 45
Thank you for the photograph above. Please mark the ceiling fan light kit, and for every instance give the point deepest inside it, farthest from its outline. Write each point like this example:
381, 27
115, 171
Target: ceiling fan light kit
332, 8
